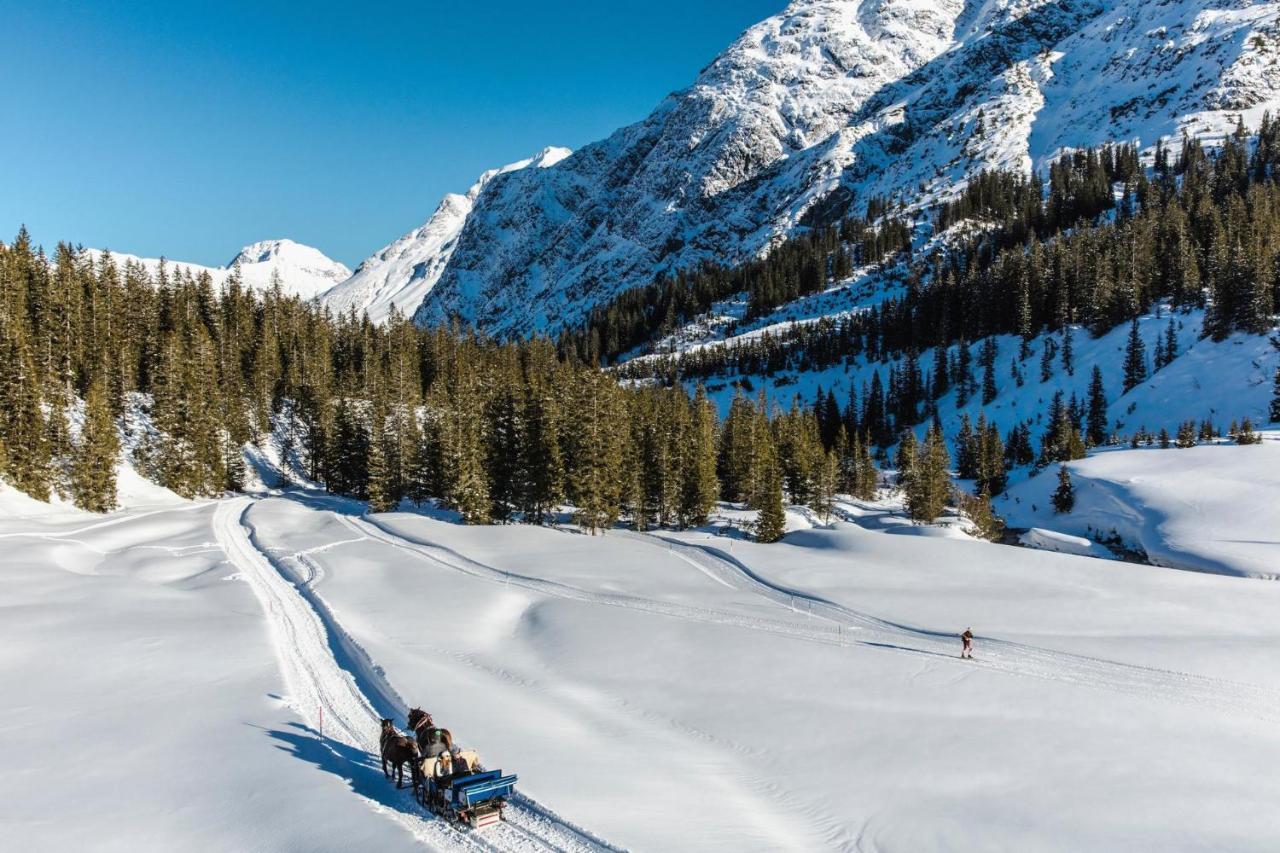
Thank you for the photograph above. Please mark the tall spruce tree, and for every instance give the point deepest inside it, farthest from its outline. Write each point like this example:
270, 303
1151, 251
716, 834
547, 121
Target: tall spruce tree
1275, 399
93, 469
1096, 419
700, 486
22, 427
542, 466
929, 485
771, 522
381, 485
1064, 497
1135, 358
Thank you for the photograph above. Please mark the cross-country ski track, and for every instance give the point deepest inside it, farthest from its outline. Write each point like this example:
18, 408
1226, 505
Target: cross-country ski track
326, 673
835, 624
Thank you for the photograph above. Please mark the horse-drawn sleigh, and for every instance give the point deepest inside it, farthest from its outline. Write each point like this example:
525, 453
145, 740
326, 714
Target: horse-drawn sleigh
447, 780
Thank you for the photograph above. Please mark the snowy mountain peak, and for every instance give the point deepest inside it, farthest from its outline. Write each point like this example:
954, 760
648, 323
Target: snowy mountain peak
401, 274
817, 109
304, 272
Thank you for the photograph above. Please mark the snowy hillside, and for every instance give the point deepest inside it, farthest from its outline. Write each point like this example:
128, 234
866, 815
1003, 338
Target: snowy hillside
1196, 508
831, 102
303, 271
402, 274
807, 696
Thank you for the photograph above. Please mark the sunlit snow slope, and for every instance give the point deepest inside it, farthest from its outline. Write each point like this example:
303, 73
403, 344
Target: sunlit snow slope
818, 108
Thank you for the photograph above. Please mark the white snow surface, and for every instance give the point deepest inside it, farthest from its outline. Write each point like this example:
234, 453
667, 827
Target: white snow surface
303, 271
830, 102
800, 696
400, 275
1211, 508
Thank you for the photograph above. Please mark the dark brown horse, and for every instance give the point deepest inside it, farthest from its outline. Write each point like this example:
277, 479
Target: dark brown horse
397, 751
432, 741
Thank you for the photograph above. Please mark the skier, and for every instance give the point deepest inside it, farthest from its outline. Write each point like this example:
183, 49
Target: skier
966, 650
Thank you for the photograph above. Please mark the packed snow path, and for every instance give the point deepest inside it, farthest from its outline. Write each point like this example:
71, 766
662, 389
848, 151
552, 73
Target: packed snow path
329, 680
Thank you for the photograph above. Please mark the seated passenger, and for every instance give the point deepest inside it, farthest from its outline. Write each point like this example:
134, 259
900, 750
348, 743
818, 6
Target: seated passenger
461, 767
444, 770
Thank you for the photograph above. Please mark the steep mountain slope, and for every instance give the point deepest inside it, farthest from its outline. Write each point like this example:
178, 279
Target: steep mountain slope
400, 275
817, 109
303, 271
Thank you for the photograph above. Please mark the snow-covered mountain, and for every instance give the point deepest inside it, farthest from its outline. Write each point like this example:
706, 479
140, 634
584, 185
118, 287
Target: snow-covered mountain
304, 272
831, 102
402, 274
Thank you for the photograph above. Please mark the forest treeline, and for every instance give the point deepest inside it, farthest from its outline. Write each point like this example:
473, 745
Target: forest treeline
798, 267
494, 430
1098, 247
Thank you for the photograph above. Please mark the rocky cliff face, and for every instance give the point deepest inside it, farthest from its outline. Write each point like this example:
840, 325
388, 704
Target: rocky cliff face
829, 103
400, 275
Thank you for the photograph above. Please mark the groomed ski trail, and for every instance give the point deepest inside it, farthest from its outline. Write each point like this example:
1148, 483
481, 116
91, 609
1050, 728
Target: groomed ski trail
317, 683
846, 626
1003, 655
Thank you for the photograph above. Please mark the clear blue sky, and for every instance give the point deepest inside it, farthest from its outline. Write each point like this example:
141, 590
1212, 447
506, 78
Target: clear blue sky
190, 128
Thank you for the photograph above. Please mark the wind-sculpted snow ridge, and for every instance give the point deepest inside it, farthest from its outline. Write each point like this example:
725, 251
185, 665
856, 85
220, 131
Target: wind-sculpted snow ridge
335, 688
302, 271
842, 625
815, 110
401, 274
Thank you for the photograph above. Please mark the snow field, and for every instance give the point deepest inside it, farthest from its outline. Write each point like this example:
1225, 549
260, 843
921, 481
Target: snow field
1150, 693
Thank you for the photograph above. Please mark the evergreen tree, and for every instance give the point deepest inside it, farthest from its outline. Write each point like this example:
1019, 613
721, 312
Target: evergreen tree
1096, 419
1135, 358
503, 445
967, 450
93, 470
699, 486
594, 450
1170, 341
929, 483
1018, 450
541, 462
989, 389
964, 381
905, 458
1275, 399
1064, 497
766, 495
380, 487
978, 511
1246, 435
423, 478
874, 416
826, 485
992, 474
737, 450
348, 466
22, 427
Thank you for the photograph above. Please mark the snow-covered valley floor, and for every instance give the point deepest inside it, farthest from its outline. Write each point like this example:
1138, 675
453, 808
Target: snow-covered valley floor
168, 672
